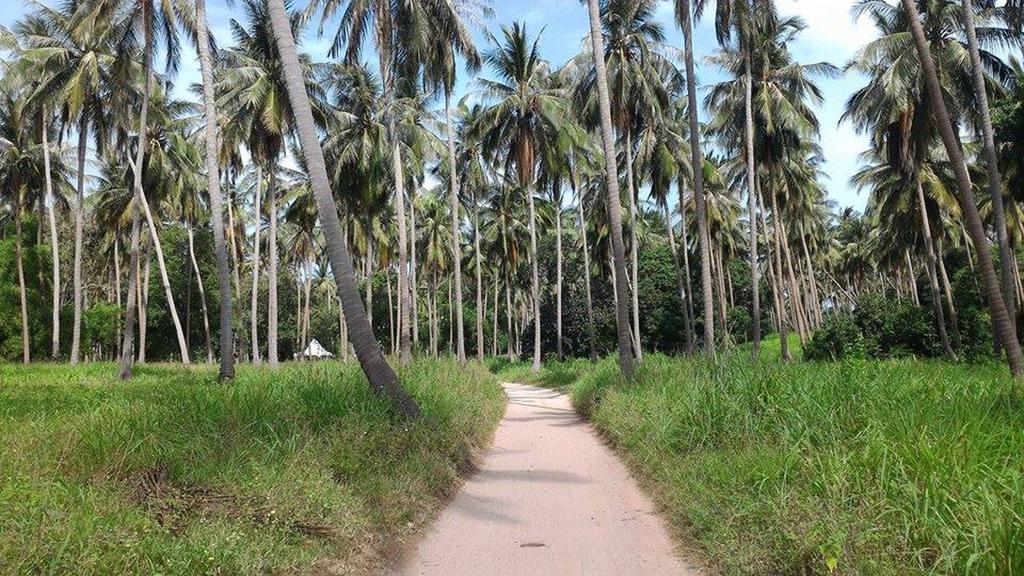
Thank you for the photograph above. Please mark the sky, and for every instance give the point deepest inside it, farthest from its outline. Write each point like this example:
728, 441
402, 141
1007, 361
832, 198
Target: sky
832, 36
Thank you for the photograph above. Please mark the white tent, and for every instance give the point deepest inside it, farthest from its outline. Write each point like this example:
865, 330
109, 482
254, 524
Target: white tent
315, 351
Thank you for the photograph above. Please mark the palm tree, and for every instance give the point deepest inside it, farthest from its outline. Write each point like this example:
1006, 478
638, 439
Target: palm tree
1004, 325
684, 17
523, 123
381, 377
612, 183
212, 165
78, 47
995, 181
473, 174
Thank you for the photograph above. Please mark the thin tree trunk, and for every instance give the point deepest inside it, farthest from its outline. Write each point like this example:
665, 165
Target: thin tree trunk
381, 377
144, 298
634, 245
774, 264
591, 331
26, 352
117, 289
954, 317
254, 311
480, 306
306, 316
494, 331
811, 276
391, 311
202, 293
51, 205
162, 266
508, 318
912, 278
692, 336
236, 269
755, 271
413, 273
687, 327
434, 331
76, 327
369, 270
558, 278
534, 277
1001, 319
453, 177
933, 276
612, 184
272, 358
227, 338
995, 180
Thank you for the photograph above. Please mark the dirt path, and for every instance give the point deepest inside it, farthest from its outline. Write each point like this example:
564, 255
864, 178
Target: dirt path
550, 498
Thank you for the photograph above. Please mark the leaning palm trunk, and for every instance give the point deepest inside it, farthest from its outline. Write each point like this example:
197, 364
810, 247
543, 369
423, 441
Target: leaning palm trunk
453, 176
227, 346
933, 275
381, 377
1001, 320
76, 327
26, 353
995, 181
164, 278
202, 292
755, 271
614, 200
51, 209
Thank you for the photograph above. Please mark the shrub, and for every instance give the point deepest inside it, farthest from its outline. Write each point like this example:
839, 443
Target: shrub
839, 337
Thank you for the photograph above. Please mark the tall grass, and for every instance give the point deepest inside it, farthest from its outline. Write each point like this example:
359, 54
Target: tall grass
864, 467
175, 473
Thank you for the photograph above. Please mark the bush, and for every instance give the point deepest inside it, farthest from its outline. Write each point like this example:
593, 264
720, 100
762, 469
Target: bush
839, 337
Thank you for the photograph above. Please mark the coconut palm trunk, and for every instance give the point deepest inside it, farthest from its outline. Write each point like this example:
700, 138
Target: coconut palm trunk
1001, 320
755, 271
581, 216
534, 275
381, 377
227, 346
272, 268
453, 177
76, 326
933, 275
202, 292
26, 353
683, 297
480, 305
995, 181
164, 278
634, 244
691, 343
684, 15
51, 214
614, 199
558, 277
254, 305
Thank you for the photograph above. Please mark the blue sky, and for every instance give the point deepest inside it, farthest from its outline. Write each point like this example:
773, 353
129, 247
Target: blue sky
831, 36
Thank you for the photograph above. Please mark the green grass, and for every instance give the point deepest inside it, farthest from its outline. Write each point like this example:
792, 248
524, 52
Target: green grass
868, 467
555, 375
299, 470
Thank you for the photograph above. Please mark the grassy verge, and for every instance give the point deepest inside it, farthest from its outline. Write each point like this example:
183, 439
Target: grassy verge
299, 470
856, 468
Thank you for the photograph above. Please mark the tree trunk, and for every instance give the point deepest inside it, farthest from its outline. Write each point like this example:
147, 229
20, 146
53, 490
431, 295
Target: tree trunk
254, 311
26, 353
391, 310
480, 305
508, 318
755, 272
453, 177
692, 336
687, 327
164, 278
634, 245
954, 317
933, 276
51, 209
381, 377
558, 278
995, 180
117, 290
413, 273
76, 327
494, 331
272, 268
591, 331
612, 184
202, 293
227, 339
434, 330
1001, 320
143, 301
779, 297
811, 276
369, 270
912, 278
534, 277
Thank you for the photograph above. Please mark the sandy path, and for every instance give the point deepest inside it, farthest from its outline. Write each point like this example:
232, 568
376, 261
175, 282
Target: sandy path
550, 498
